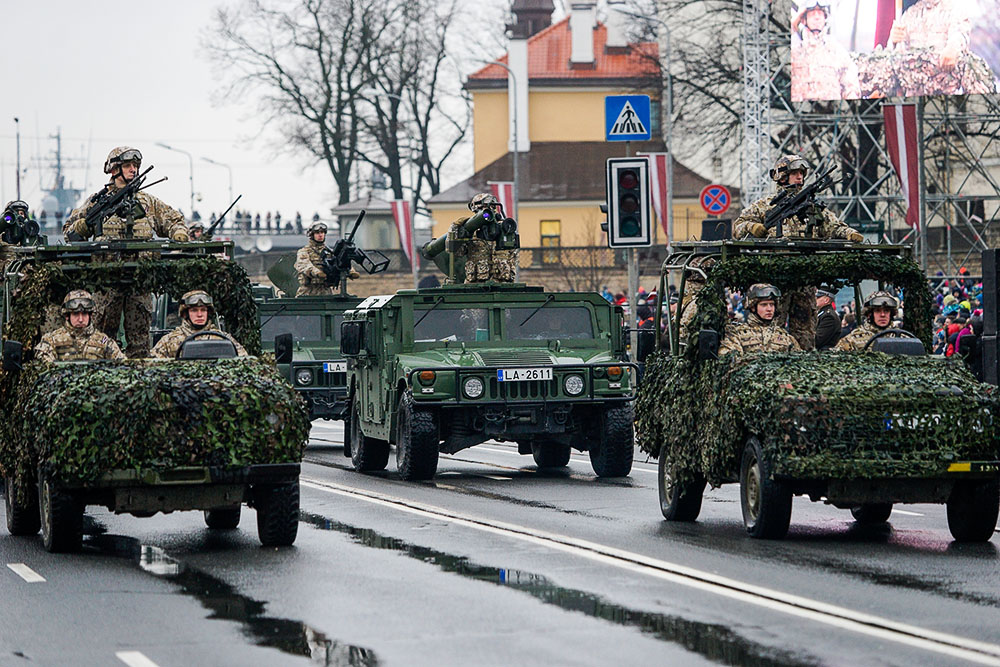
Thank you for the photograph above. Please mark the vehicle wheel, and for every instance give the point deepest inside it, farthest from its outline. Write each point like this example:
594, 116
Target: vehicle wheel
766, 502
22, 517
223, 519
611, 454
972, 510
678, 502
416, 441
277, 513
347, 435
872, 513
550, 454
61, 518
367, 454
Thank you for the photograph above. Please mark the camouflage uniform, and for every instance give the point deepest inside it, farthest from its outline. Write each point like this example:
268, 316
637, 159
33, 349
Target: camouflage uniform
826, 224
693, 285
757, 334
797, 307
166, 347
309, 269
857, 339
822, 69
483, 261
155, 216
67, 343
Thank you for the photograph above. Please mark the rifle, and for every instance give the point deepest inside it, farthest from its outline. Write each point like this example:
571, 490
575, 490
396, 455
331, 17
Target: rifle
787, 204
337, 260
121, 203
207, 236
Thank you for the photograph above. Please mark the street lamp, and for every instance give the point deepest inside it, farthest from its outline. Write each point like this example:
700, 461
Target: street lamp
513, 78
220, 164
190, 170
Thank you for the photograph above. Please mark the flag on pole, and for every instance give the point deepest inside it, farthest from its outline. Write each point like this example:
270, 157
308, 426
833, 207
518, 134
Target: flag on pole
901, 140
404, 224
658, 165
504, 192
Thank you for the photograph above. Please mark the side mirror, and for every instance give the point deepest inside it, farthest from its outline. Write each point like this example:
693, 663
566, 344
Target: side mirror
351, 335
645, 344
708, 344
12, 354
283, 348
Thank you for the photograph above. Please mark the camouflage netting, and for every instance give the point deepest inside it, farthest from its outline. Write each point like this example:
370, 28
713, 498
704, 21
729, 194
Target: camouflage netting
82, 420
818, 415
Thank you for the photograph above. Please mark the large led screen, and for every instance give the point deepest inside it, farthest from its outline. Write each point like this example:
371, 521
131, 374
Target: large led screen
863, 49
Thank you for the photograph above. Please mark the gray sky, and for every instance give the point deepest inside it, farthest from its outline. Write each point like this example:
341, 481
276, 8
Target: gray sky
112, 74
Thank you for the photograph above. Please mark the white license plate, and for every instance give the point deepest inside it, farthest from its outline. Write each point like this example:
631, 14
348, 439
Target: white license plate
334, 366
523, 374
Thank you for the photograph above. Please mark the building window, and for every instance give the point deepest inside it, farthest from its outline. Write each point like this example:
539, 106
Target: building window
551, 230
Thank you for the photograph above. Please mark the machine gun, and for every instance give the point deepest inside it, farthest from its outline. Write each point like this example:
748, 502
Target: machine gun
121, 203
787, 204
16, 228
337, 260
207, 236
448, 250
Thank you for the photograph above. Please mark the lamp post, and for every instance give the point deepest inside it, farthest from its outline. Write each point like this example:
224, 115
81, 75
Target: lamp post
220, 164
17, 131
513, 79
190, 170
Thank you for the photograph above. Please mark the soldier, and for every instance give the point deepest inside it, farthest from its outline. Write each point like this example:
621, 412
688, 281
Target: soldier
197, 231
693, 285
483, 261
149, 216
309, 264
822, 69
197, 313
761, 332
827, 321
77, 339
877, 314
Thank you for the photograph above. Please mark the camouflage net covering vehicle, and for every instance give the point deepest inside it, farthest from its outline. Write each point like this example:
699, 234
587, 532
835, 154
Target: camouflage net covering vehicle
206, 431
860, 430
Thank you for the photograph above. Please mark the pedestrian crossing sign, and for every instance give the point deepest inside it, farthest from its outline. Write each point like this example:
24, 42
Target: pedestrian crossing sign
627, 118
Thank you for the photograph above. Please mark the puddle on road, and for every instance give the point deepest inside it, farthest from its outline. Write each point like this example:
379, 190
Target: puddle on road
226, 603
713, 641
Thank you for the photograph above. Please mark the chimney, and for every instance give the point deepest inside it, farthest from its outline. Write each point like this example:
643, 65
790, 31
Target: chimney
530, 17
581, 26
616, 24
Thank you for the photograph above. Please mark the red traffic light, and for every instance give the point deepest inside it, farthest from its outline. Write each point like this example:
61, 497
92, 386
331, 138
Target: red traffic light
628, 179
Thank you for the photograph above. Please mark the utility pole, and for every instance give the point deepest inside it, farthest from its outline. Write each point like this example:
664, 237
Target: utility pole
17, 133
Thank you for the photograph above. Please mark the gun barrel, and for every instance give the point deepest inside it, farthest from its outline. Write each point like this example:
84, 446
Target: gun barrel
354, 229
432, 249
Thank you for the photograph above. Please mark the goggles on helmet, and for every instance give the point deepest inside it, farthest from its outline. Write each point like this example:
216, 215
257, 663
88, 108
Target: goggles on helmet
131, 155
79, 305
200, 299
763, 292
882, 301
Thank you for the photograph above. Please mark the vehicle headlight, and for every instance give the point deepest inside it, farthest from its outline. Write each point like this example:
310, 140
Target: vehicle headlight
473, 387
303, 376
573, 385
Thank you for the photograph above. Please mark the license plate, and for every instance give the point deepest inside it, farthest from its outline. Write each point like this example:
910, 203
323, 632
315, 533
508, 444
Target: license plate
334, 366
523, 374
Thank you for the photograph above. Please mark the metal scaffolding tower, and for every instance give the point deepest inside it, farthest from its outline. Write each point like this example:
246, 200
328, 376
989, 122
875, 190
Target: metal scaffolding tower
757, 73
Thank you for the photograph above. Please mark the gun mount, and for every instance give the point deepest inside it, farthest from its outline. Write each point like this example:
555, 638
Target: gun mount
337, 260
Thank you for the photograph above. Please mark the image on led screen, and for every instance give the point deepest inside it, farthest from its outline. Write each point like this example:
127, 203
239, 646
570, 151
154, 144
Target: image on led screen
866, 49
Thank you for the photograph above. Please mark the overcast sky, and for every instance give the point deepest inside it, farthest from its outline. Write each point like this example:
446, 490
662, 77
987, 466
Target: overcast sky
108, 74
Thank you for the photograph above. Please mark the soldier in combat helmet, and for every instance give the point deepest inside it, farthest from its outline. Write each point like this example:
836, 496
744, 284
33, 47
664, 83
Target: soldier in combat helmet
77, 339
877, 313
761, 332
483, 261
197, 311
309, 264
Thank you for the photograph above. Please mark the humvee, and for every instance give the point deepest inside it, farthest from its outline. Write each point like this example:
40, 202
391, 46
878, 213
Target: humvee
858, 430
205, 431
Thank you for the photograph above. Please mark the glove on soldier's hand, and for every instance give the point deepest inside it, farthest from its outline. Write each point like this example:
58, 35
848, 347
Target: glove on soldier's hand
180, 235
758, 230
855, 237
353, 275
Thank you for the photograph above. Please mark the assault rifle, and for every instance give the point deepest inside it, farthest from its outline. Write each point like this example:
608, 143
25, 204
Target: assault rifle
337, 260
207, 236
121, 203
788, 204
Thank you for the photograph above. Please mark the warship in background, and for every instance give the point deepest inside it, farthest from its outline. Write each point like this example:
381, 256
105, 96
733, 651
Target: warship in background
61, 198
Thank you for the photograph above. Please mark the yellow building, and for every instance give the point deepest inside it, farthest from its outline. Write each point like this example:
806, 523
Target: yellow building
561, 75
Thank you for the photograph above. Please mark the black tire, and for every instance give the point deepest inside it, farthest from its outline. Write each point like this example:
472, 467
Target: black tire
611, 454
766, 502
61, 518
417, 441
367, 454
277, 513
22, 517
872, 513
347, 432
972, 510
550, 454
223, 519
678, 502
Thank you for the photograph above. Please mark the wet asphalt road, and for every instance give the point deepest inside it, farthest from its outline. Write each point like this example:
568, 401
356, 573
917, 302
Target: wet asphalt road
496, 563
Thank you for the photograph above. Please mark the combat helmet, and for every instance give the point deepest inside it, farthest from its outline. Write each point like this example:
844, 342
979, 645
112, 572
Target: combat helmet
483, 200
761, 292
119, 155
196, 297
880, 299
703, 262
315, 227
196, 225
786, 164
78, 301
20, 205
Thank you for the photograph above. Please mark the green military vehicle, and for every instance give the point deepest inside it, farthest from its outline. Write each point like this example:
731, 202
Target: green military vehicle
446, 368
205, 431
858, 430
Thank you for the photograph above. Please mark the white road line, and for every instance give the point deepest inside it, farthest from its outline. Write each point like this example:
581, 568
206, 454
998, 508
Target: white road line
907, 513
135, 659
787, 603
497, 478
26, 573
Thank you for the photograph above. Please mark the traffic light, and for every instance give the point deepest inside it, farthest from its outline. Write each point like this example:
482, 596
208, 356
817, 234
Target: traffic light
628, 203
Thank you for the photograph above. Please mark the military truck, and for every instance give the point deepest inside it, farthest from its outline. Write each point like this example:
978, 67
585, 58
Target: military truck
857, 430
205, 431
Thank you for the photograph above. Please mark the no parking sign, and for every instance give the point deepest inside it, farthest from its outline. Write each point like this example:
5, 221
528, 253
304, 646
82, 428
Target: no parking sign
715, 199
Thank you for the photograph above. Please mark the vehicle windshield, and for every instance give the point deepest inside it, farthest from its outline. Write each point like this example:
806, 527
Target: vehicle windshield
450, 324
302, 327
552, 321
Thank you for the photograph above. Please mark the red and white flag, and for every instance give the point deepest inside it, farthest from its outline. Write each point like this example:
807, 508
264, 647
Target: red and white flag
504, 192
404, 224
658, 165
901, 140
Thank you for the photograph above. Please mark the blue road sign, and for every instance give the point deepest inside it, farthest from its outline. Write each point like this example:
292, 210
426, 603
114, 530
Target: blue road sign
715, 199
627, 118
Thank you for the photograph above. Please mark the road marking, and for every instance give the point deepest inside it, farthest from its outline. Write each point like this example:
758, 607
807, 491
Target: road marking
135, 659
907, 513
787, 603
497, 478
26, 573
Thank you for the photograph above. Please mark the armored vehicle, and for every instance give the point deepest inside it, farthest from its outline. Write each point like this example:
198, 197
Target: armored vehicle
207, 430
858, 430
